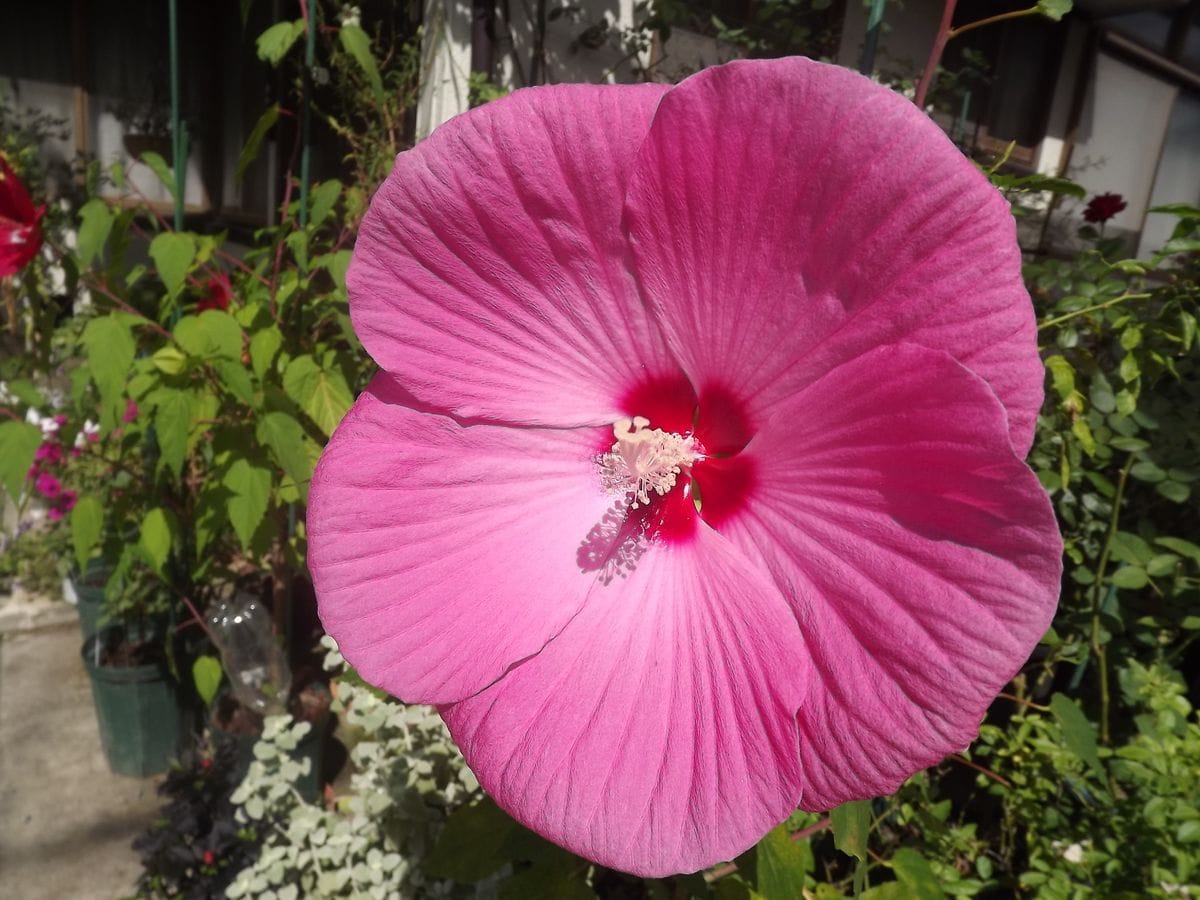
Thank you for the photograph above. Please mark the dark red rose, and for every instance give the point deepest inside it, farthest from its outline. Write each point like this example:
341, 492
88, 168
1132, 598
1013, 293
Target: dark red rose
217, 293
1103, 207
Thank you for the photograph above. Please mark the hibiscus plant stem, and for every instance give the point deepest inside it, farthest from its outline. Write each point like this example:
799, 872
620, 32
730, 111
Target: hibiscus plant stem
1066, 317
1099, 649
935, 54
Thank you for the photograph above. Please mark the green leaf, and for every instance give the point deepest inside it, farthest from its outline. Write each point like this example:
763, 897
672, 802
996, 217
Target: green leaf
355, 42
156, 538
95, 223
206, 673
1180, 546
1062, 375
470, 847
323, 198
782, 865
173, 254
87, 524
915, 873
110, 348
235, 377
1130, 577
1173, 491
251, 489
324, 395
284, 436
851, 824
1130, 548
1163, 564
18, 444
1054, 9
263, 347
297, 242
172, 424
169, 361
1148, 471
1083, 434
274, 43
250, 150
159, 167
211, 334
1077, 731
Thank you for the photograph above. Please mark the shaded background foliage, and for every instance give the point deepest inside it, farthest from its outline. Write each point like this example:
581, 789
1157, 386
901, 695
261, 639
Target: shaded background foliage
216, 369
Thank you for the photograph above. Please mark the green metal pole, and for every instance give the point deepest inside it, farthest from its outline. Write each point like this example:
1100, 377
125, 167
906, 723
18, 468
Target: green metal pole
874, 21
310, 51
178, 135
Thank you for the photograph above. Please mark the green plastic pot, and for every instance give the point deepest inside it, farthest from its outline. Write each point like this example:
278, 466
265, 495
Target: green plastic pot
137, 709
88, 586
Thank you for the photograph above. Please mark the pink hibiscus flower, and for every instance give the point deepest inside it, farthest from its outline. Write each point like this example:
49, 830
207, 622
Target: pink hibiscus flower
20, 223
692, 487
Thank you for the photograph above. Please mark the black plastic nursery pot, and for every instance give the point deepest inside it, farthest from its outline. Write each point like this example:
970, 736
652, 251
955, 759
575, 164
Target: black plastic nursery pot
310, 747
137, 708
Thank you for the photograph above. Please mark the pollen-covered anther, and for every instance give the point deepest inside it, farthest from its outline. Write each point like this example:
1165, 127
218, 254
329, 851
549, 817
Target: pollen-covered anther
645, 460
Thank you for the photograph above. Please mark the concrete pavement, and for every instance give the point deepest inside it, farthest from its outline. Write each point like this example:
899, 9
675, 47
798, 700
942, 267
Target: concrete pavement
66, 822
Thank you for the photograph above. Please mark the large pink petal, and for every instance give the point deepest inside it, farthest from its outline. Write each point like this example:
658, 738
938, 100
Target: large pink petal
921, 556
787, 216
443, 554
490, 272
656, 733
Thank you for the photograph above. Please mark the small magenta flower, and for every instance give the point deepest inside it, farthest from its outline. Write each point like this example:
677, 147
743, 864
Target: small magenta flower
47, 485
1103, 207
131, 411
692, 487
49, 453
20, 222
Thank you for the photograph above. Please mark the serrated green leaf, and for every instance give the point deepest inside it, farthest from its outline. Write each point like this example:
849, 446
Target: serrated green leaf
1078, 736
322, 394
250, 149
95, 223
172, 424
18, 444
87, 524
173, 254
159, 167
251, 489
169, 360
211, 334
782, 865
206, 674
297, 242
274, 43
157, 537
287, 442
324, 196
914, 872
110, 349
263, 347
235, 378
851, 824
355, 42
